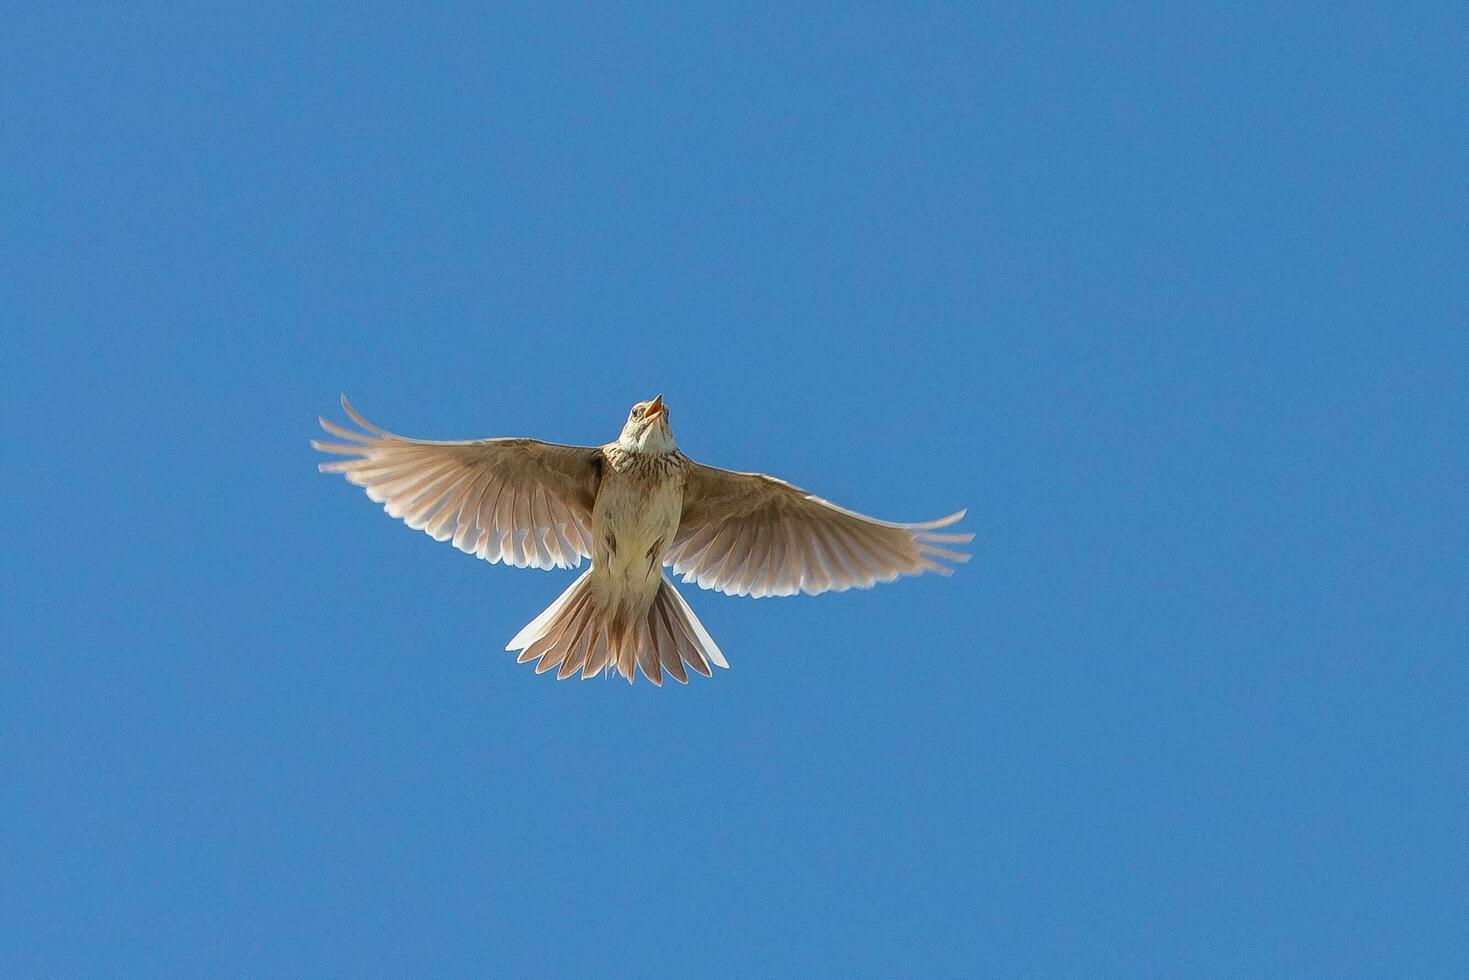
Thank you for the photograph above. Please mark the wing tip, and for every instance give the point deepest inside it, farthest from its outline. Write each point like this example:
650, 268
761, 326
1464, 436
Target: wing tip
356, 416
953, 518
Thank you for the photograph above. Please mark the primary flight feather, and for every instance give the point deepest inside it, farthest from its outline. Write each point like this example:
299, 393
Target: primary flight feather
632, 507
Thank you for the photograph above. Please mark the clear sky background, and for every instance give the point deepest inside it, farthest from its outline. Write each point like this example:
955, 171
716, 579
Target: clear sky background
1171, 297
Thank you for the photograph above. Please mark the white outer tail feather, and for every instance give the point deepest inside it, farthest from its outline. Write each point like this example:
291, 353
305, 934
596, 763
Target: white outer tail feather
575, 635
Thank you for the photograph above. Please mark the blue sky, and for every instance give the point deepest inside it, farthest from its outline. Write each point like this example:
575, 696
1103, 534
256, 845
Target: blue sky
1171, 297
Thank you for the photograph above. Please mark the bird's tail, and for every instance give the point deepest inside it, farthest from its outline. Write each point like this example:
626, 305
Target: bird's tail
578, 634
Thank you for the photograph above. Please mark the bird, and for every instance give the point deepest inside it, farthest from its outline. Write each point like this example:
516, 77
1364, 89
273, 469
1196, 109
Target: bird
635, 507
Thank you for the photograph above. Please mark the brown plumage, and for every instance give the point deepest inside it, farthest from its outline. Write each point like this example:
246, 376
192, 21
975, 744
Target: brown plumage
632, 506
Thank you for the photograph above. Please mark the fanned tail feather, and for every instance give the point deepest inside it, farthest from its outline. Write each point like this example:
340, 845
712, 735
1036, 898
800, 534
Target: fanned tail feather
577, 635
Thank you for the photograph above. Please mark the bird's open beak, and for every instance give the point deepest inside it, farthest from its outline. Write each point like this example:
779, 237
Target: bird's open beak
655, 407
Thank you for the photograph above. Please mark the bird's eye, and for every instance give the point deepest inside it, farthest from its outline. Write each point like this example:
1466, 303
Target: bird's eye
637, 411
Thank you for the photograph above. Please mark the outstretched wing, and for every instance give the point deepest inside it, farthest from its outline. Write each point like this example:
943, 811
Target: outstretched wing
751, 534
520, 501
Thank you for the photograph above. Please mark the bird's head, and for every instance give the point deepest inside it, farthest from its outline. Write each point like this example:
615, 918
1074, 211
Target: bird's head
647, 429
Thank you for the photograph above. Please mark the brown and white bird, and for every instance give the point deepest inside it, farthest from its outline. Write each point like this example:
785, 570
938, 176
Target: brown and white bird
632, 506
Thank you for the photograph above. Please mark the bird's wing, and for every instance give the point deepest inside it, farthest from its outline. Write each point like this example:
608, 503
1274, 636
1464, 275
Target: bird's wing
751, 534
520, 501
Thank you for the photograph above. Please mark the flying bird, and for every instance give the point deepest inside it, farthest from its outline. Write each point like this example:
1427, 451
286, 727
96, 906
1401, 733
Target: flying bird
633, 506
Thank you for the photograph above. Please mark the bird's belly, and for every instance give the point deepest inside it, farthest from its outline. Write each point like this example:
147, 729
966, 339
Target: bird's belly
633, 523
